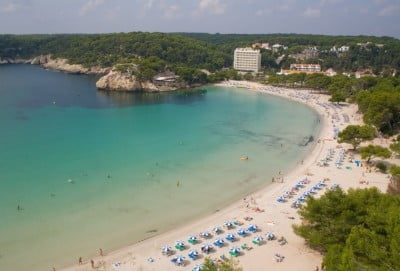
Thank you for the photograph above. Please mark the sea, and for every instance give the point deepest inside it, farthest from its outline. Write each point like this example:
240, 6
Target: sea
82, 169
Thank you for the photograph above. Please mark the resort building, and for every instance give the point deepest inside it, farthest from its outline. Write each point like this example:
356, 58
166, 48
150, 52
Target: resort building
302, 68
247, 60
276, 47
341, 49
306, 67
263, 45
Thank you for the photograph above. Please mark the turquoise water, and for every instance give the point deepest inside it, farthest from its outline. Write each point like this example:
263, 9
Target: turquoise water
97, 170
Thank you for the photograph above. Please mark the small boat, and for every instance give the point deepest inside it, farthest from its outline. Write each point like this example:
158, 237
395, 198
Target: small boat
243, 158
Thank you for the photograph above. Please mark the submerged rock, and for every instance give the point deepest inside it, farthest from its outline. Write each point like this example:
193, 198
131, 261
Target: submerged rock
306, 140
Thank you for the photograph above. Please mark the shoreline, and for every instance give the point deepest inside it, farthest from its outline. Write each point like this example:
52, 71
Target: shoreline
276, 215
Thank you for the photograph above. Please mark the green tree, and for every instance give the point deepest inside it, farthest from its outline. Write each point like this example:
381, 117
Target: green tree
394, 186
352, 230
355, 134
226, 265
395, 171
317, 81
248, 76
374, 151
395, 147
338, 96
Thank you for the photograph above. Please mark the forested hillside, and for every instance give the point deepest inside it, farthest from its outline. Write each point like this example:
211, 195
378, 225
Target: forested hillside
372, 56
109, 49
209, 51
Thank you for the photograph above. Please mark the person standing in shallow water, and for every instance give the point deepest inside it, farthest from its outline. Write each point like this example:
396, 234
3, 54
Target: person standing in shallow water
80, 261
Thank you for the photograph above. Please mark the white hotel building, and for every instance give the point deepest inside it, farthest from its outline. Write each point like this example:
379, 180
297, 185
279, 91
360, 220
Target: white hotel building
247, 60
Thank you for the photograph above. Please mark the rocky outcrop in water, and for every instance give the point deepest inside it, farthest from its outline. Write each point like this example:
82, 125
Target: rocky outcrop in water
110, 80
120, 81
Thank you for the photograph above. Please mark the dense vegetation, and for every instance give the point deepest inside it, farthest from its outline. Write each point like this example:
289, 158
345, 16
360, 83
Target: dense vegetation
110, 49
355, 134
358, 230
152, 52
225, 265
209, 51
378, 98
358, 57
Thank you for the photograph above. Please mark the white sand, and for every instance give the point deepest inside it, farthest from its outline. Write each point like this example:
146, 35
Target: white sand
276, 216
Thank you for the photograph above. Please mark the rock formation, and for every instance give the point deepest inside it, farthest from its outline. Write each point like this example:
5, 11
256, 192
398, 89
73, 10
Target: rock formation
119, 81
110, 80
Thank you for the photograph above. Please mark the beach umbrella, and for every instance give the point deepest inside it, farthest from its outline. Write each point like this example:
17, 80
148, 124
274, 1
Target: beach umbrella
193, 253
192, 239
258, 238
206, 248
230, 237
281, 199
180, 259
198, 267
205, 234
242, 232
180, 243
252, 228
234, 251
219, 242
217, 229
166, 249
270, 235
286, 194
228, 224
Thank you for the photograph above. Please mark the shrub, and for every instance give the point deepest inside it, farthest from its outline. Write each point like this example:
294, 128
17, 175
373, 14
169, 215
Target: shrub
382, 167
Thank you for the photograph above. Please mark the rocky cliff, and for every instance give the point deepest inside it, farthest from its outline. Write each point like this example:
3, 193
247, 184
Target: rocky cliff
58, 64
110, 80
119, 81
62, 65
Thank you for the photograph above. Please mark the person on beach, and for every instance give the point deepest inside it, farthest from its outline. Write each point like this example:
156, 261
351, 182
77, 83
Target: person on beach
92, 263
80, 261
101, 252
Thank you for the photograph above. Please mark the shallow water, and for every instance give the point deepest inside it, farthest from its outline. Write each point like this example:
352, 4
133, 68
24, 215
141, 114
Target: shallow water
95, 169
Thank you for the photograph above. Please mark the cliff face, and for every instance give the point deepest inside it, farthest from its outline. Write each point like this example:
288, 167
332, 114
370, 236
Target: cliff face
62, 65
110, 80
14, 61
57, 64
118, 81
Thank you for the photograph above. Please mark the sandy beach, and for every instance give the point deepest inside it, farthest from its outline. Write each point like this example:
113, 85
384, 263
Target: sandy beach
260, 208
